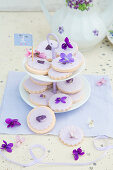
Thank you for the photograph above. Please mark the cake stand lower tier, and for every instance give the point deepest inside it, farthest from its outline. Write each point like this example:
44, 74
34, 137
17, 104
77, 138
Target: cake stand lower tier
86, 89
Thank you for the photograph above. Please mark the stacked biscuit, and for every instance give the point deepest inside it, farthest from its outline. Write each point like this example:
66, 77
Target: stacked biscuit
41, 93
58, 68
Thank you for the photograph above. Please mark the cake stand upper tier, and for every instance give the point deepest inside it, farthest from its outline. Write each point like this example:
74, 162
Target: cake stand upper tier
48, 79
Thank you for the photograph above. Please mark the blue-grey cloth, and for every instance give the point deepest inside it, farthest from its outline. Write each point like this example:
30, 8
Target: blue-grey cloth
99, 108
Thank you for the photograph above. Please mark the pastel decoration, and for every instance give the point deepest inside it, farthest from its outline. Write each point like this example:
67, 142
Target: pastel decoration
32, 53
19, 141
53, 48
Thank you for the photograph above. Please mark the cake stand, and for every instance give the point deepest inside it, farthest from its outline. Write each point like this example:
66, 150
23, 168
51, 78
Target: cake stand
86, 89
86, 92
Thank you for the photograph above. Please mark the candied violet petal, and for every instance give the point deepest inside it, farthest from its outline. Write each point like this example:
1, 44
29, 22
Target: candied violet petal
40, 62
48, 47
66, 40
40, 118
8, 120
76, 156
63, 99
10, 145
5, 142
9, 150
64, 46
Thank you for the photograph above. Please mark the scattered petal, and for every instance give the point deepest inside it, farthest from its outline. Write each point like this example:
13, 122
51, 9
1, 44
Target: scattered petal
91, 123
101, 82
61, 30
12, 122
7, 147
19, 141
77, 153
95, 32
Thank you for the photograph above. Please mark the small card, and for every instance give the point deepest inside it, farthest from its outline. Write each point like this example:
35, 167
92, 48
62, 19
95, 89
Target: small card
23, 40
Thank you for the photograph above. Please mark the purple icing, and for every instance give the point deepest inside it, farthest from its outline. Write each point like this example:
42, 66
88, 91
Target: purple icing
40, 118
48, 47
41, 62
69, 81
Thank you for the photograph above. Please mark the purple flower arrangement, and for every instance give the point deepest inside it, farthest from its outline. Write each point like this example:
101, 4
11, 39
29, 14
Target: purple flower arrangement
81, 5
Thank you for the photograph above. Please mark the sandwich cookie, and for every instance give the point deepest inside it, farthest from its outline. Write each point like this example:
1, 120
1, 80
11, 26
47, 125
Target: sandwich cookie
70, 86
31, 87
41, 120
60, 102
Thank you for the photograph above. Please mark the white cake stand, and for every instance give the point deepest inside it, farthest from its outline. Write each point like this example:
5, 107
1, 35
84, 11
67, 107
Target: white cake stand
86, 92
48, 79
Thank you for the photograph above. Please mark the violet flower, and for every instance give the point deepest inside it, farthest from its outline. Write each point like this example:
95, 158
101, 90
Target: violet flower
40, 118
66, 58
40, 62
12, 122
81, 5
96, 32
61, 30
7, 147
62, 100
77, 153
67, 44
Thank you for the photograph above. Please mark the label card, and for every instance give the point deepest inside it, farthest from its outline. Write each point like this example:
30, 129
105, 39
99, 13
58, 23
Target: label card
23, 40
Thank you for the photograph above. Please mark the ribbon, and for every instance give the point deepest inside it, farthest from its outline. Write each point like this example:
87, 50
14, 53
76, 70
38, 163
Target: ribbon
40, 160
53, 52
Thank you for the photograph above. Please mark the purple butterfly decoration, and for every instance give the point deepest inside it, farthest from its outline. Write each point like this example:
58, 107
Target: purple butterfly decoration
62, 99
67, 44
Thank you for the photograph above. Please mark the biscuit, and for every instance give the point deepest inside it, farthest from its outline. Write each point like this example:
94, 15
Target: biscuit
41, 120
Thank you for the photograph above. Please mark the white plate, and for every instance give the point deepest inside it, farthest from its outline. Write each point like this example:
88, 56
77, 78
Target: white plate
87, 91
48, 79
110, 34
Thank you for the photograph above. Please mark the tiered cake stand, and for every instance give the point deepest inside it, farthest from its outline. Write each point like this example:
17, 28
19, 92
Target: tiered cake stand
86, 88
